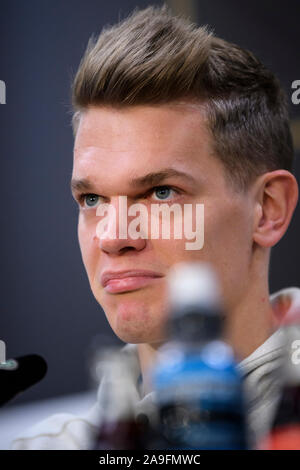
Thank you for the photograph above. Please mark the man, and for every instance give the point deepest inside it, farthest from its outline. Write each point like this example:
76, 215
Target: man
168, 113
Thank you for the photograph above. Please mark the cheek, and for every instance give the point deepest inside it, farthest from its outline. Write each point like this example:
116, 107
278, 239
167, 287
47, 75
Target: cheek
227, 228
228, 245
170, 252
88, 248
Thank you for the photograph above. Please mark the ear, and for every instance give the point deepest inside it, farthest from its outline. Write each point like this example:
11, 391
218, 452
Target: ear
276, 196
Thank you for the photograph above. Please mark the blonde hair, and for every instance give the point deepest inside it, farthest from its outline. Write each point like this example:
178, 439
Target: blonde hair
154, 57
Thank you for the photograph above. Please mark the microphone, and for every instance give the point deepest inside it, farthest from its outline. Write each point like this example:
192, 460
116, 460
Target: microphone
16, 375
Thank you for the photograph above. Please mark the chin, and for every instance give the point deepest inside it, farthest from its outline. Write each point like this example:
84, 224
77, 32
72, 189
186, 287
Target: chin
138, 336
136, 318
136, 332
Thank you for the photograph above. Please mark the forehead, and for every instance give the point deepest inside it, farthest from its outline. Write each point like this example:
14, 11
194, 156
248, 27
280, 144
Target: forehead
138, 139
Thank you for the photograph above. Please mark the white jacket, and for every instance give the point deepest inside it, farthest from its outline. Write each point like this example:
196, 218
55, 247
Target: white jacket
66, 431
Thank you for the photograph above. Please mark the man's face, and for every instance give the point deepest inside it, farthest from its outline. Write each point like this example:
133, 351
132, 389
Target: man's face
115, 149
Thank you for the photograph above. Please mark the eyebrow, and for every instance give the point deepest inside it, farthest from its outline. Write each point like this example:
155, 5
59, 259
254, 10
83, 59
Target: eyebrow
150, 179
155, 178
81, 185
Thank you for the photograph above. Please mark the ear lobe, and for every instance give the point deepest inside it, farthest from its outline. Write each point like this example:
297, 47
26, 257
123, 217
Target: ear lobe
277, 196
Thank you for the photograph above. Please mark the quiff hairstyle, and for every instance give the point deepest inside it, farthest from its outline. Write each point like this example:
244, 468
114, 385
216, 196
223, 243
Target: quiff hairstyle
153, 57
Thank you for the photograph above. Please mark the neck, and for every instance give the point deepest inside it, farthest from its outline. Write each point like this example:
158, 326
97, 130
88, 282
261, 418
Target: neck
250, 324
251, 320
147, 356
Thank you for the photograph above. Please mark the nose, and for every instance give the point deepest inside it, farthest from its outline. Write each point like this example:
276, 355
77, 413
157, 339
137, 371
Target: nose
119, 246
115, 239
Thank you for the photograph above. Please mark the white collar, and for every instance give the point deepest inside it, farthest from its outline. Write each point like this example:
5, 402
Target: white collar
272, 348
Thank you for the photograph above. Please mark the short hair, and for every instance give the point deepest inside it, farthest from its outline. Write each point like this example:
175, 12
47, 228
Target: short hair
155, 57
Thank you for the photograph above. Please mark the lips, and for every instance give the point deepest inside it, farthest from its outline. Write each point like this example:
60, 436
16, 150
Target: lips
125, 281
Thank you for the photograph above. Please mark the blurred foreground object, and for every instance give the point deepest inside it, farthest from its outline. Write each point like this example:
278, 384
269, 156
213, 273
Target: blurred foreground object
199, 389
119, 428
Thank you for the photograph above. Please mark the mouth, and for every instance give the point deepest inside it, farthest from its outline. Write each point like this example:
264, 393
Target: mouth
126, 281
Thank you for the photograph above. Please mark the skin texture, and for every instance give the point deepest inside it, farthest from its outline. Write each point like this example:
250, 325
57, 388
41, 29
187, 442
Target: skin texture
115, 145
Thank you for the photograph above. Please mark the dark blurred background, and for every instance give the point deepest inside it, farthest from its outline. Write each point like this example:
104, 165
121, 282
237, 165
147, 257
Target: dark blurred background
46, 303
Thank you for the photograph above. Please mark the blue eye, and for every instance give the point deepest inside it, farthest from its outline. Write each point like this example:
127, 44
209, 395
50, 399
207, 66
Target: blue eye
91, 199
163, 192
